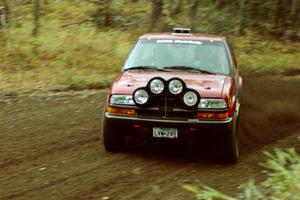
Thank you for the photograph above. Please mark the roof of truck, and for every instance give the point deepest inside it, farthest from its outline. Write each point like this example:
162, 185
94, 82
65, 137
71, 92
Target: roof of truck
188, 36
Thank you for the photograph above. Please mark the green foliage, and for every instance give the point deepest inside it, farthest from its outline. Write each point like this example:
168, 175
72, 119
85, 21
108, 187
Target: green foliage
70, 49
222, 22
62, 57
255, 55
283, 181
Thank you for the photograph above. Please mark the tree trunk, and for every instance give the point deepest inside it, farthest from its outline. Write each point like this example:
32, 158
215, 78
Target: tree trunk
178, 9
107, 15
294, 14
193, 13
157, 6
3, 22
5, 11
297, 14
102, 17
220, 4
36, 17
242, 24
280, 18
170, 7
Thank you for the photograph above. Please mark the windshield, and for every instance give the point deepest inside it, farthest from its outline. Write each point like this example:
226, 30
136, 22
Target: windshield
208, 56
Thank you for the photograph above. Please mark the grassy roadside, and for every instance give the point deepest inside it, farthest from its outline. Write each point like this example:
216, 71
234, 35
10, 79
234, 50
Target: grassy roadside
76, 56
81, 57
282, 169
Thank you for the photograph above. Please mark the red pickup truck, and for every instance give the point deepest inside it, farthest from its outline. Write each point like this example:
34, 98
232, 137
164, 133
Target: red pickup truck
176, 86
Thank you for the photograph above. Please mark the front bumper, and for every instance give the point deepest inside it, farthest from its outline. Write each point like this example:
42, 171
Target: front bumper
188, 129
177, 122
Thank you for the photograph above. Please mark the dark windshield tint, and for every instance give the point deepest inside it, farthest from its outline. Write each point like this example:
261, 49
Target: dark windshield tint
211, 56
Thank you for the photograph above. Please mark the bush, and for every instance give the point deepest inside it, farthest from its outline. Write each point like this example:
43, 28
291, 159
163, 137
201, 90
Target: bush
283, 181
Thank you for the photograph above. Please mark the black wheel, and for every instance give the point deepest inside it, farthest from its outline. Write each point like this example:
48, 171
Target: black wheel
229, 143
113, 139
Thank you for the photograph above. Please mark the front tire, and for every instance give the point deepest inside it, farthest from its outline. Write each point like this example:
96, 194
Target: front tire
113, 139
229, 143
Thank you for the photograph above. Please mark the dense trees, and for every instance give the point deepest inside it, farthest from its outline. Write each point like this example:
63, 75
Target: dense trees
279, 18
276, 18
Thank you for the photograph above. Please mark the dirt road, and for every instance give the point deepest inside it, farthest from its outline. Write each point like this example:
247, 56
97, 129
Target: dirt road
51, 147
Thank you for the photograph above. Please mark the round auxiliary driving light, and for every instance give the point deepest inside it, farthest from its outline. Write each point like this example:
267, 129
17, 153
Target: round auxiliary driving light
141, 96
190, 98
175, 86
157, 86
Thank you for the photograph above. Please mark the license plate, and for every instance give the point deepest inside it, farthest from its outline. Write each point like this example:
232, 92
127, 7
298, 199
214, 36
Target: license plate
165, 132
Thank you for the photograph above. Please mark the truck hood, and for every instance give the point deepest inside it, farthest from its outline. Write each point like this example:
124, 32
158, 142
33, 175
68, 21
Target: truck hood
208, 85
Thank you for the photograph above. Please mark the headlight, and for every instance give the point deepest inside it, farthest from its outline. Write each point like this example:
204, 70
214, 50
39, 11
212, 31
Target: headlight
141, 96
175, 86
190, 98
157, 86
212, 103
121, 100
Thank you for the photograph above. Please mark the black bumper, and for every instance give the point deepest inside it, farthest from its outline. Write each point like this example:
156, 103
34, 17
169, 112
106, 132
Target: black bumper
143, 126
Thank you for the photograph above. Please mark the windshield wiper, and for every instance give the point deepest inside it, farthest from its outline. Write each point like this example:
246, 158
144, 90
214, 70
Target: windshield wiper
188, 68
145, 68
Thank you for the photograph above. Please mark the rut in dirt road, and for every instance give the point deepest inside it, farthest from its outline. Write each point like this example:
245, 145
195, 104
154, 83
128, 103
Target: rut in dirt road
51, 147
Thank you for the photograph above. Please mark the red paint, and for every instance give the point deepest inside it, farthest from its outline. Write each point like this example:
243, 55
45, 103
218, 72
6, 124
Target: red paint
206, 84
228, 93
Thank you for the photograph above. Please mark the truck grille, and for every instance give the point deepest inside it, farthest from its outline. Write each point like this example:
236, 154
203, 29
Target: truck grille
166, 106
